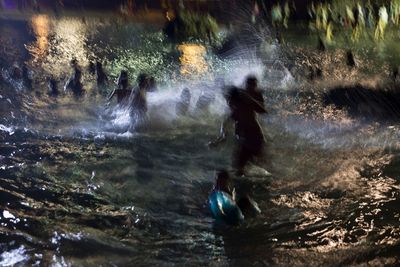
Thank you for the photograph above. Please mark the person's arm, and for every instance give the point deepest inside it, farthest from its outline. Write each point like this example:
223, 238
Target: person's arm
222, 133
67, 85
258, 103
112, 95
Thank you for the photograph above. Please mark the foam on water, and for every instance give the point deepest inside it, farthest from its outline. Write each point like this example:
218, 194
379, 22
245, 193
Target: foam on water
13, 257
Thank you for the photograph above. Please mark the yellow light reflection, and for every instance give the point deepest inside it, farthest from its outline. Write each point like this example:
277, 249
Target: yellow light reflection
41, 28
193, 60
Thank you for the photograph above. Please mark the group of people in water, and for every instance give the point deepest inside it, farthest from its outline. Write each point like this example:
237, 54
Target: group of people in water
244, 106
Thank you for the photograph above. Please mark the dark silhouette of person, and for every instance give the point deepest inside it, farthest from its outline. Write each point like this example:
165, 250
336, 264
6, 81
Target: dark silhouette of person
350, 61
395, 73
255, 94
206, 97
321, 45
101, 76
92, 68
314, 73
138, 98
16, 72
74, 82
122, 91
52, 87
152, 84
182, 107
27, 77
248, 133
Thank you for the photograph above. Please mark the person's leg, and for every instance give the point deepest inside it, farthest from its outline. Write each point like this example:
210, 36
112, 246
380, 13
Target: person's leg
241, 157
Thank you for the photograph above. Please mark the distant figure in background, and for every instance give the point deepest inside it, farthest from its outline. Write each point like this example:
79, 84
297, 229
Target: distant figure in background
321, 45
122, 91
152, 84
276, 15
286, 12
101, 76
314, 73
350, 61
92, 68
395, 73
16, 72
182, 107
138, 98
52, 87
382, 23
74, 82
26, 76
205, 99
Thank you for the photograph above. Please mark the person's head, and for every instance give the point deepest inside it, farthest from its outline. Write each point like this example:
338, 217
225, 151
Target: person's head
223, 181
251, 83
16, 71
143, 81
123, 75
152, 83
74, 62
123, 79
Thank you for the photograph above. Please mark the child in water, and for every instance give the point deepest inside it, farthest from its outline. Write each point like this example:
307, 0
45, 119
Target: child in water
224, 204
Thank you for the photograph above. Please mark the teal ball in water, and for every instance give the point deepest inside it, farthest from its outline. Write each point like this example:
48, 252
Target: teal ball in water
224, 208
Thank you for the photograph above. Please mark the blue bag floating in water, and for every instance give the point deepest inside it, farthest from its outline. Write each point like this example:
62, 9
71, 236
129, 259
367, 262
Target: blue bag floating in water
224, 209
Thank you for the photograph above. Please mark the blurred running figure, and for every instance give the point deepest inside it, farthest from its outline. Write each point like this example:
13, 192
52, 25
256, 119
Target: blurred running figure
250, 142
122, 91
382, 22
74, 82
138, 98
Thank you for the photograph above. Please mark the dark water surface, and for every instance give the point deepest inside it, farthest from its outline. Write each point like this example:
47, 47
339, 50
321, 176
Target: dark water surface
78, 189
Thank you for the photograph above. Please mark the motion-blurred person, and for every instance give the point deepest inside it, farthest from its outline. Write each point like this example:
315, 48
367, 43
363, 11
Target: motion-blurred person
138, 98
248, 133
52, 87
182, 107
206, 97
101, 76
122, 91
74, 82
27, 77
382, 23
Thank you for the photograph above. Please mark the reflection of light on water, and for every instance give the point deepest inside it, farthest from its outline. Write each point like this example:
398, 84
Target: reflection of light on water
40, 26
193, 59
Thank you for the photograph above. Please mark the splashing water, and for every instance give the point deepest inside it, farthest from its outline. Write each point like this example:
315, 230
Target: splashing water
79, 187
